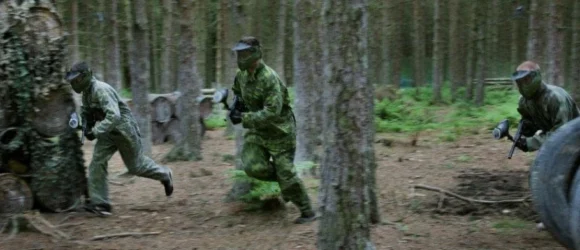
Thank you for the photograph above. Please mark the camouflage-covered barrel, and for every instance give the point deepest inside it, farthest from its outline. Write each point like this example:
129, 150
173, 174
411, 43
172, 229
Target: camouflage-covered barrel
36, 104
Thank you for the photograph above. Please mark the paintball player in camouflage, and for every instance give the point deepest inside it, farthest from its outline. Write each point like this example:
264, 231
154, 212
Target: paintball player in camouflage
262, 106
112, 124
543, 107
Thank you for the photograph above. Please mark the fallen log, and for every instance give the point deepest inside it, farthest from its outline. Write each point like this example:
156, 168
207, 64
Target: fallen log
166, 106
15, 195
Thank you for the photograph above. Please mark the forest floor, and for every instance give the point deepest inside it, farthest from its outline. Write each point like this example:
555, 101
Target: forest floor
196, 217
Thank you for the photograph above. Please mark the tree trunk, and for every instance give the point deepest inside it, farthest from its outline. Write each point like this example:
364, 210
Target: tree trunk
575, 58
305, 92
534, 50
419, 43
395, 16
113, 73
153, 48
32, 91
75, 54
471, 41
481, 68
140, 67
280, 44
515, 45
345, 193
165, 83
556, 56
210, 43
386, 44
438, 70
455, 57
189, 147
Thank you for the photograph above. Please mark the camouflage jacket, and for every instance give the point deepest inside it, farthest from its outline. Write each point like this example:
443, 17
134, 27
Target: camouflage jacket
101, 98
547, 112
270, 119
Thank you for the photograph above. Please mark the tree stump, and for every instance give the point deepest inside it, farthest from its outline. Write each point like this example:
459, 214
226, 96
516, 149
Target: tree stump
36, 143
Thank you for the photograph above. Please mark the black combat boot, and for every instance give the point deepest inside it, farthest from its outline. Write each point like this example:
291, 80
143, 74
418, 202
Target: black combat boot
306, 216
102, 209
306, 212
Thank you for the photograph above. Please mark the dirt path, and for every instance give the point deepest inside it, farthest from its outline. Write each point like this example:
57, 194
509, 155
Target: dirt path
197, 218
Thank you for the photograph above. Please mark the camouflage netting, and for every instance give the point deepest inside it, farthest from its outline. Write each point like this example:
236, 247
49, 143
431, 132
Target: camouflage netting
36, 103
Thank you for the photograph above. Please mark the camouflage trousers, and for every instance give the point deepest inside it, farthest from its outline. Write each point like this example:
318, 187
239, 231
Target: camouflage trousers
257, 164
127, 140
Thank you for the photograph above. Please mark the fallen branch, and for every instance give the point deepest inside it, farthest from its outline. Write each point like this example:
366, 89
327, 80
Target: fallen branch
101, 237
463, 198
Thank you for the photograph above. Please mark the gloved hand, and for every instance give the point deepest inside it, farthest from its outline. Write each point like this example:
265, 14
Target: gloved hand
522, 144
235, 116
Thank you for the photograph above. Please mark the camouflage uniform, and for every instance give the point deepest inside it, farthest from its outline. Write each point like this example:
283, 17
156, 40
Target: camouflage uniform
117, 131
542, 107
271, 133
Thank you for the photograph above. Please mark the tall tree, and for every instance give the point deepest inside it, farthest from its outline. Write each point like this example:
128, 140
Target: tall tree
188, 147
138, 39
481, 65
575, 58
534, 50
418, 43
281, 39
165, 83
471, 42
394, 38
455, 57
555, 53
306, 96
113, 69
348, 162
75, 54
438, 70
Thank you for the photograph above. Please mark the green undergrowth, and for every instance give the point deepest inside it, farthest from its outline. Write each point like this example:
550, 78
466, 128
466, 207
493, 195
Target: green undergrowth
413, 112
262, 192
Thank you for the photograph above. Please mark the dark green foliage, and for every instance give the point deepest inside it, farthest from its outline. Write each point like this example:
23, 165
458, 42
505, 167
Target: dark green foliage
412, 112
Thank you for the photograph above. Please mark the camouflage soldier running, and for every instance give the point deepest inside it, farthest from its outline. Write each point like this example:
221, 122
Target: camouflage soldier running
110, 121
263, 107
544, 107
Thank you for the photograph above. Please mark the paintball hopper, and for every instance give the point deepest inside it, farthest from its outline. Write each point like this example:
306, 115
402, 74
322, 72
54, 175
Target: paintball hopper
74, 120
221, 96
501, 130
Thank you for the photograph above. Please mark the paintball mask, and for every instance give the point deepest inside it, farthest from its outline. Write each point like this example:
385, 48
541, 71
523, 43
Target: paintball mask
79, 77
248, 50
528, 82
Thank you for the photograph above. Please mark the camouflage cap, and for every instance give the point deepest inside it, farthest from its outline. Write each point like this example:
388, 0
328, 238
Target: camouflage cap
246, 43
76, 70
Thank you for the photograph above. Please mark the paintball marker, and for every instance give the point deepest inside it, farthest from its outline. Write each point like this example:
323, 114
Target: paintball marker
87, 123
221, 96
502, 130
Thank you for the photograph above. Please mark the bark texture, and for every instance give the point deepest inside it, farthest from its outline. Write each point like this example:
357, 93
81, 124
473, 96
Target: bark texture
189, 147
346, 192
555, 53
438, 69
140, 67
418, 43
113, 69
306, 96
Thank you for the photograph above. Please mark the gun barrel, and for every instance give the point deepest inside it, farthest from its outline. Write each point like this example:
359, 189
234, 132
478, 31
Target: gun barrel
74, 120
516, 138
